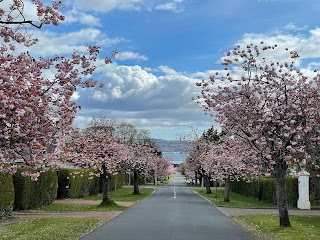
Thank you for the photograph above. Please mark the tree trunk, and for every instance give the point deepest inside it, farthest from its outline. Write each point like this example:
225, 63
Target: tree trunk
226, 194
196, 177
207, 183
106, 178
259, 188
282, 201
135, 183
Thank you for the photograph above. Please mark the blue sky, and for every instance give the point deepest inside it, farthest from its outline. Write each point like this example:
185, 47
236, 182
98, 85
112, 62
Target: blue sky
166, 46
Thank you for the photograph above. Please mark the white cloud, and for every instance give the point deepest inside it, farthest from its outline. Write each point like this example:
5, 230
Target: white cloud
76, 16
308, 46
168, 71
293, 27
131, 56
174, 6
100, 96
109, 5
57, 43
75, 96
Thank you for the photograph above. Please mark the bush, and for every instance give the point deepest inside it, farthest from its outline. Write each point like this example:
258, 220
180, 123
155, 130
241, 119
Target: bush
6, 195
31, 194
292, 191
268, 189
77, 183
119, 181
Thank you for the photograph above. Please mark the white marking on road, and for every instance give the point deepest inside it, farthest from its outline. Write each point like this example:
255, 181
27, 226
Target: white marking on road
174, 193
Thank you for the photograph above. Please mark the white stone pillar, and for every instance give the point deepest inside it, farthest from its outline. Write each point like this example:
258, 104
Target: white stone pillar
303, 201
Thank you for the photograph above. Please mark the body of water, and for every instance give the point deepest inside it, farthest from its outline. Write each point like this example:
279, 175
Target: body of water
177, 157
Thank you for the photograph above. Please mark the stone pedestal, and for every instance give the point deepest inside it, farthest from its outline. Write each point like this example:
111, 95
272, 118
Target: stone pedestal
303, 201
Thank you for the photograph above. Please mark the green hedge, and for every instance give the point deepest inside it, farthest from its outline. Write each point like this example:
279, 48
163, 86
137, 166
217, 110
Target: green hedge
77, 183
31, 194
117, 181
314, 189
6, 195
268, 189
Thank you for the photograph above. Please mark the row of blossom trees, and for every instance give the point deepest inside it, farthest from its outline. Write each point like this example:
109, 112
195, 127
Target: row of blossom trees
268, 106
219, 157
36, 93
37, 110
103, 146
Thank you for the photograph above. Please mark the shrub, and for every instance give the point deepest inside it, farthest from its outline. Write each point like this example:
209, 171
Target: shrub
268, 189
77, 183
117, 181
6, 195
31, 194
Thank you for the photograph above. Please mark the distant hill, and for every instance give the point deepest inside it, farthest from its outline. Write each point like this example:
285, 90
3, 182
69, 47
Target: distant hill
173, 145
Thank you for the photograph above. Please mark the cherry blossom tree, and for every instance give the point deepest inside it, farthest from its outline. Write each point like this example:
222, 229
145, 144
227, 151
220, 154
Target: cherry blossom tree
196, 155
271, 105
144, 151
95, 147
15, 26
141, 163
36, 94
229, 160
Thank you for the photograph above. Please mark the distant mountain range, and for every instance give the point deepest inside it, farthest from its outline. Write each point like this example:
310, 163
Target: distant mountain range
173, 145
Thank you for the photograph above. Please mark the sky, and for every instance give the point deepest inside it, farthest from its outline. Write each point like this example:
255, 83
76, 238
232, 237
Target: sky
165, 47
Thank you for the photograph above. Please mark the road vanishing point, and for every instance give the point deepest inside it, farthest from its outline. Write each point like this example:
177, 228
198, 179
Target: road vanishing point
172, 212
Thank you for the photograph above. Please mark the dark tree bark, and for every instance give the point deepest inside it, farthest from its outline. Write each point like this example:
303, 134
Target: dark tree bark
282, 201
226, 194
196, 178
136, 183
106, 188
259, 188
207, 183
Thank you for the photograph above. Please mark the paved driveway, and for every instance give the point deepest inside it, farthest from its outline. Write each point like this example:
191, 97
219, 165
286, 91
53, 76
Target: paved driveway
173, 212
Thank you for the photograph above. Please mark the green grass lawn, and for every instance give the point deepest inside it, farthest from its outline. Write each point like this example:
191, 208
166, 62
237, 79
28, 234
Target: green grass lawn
69, 228
57, 207
50, 228
236, 200
267, 227
124, 195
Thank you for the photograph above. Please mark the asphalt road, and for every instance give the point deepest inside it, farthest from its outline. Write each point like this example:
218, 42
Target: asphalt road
173, 212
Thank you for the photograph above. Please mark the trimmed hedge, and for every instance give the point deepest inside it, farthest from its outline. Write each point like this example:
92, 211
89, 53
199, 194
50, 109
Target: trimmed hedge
117, 181
31, 194
314, 190
6, 195
268, 189
77, 183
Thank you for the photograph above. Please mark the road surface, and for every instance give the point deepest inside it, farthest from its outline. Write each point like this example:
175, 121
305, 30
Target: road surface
173, 212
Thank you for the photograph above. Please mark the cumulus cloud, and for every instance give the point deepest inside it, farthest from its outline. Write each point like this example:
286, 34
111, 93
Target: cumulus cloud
131, 56
307, 45
100, 96
135, 89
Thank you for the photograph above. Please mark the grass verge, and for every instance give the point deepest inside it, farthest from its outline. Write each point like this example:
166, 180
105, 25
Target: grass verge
50, 228
124, 195
267, 227
236, 200
55, 207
